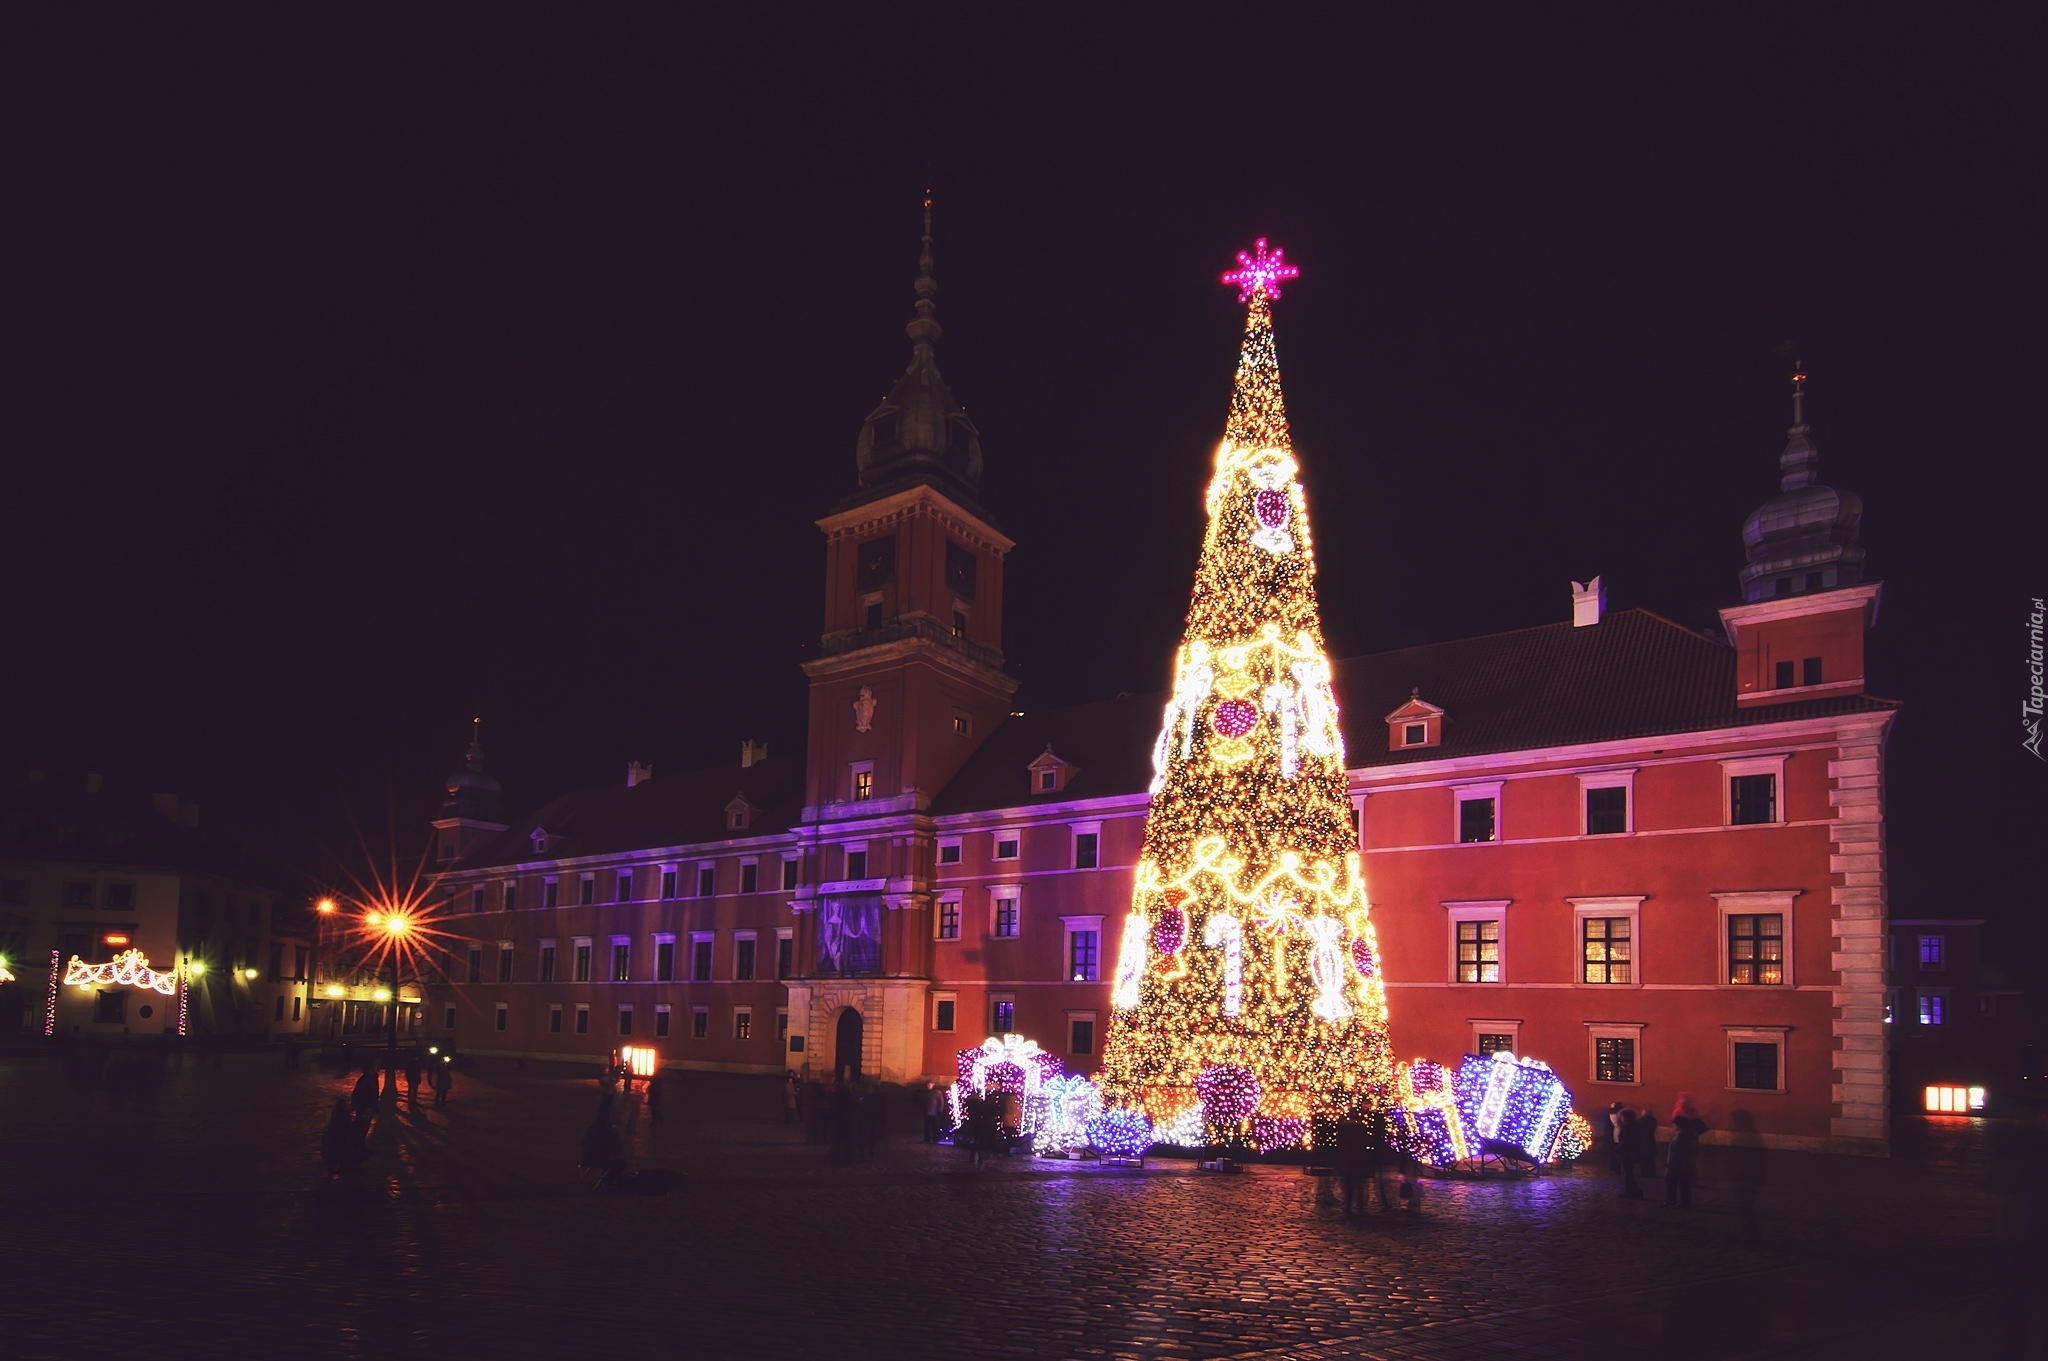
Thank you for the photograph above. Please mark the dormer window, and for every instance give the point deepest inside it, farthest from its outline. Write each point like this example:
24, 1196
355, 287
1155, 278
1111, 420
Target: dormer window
539, 838
1418, 723
739, 814
1049, 774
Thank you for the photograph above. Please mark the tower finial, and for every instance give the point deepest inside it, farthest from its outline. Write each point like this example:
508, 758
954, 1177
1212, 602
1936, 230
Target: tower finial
475, 758
923, 329
1799, 392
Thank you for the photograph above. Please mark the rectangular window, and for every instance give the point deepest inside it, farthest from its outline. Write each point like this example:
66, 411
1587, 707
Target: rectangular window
863, 784
1930, 1008
625, 889
962, 724
1003, 1015
277, 1012
742, 1024
949, 852
661, 1023
1006, 922
856, 864
668, 883
1475, 820
743, 958
1084, 960
1414, 734
120, 897
547, 963
551, 894
80, 895
298, 1003
785, 955
110, 1008
1006, 847
1752, 799
789, 876
700, 960
448, 1017
476, 898
706, 880
622, 968
1614, 1060
1781, 676
1931, 952
582, 1019
942, 1014
1606, 953
1048, 779
501, 1016
476, 966
1756, 1067
1081, 1035
1606, 811
1087, 849
1809, 671
949, 921
1756, 948
1479, 952
700, 1023
586, 891
511, 896
1495, 1043
505, 962
750, 877
664, 961
582, 961
555, 1019
625, 1020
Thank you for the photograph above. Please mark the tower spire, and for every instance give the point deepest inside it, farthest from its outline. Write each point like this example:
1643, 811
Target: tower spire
474, 760
923, 329
1797, 464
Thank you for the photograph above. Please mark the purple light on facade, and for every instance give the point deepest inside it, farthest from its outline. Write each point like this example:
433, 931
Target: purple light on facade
1258, 272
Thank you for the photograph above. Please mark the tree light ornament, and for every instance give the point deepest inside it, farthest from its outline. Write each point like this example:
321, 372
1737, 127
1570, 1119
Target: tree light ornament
1249, 888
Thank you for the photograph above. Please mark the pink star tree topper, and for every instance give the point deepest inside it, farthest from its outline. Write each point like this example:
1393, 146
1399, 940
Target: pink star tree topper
1258, 272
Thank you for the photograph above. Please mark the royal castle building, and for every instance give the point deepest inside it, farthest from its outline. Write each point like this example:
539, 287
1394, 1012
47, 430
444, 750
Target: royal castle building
1650, 857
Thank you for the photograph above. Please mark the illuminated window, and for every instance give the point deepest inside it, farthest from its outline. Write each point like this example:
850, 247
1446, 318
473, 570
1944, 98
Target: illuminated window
963, 725
1931, 952
622, 960
1931, 1008
1756, 948
943, 1010
1605, 956
1006, 918
1614, 1059
1955, 1100
949, 920
1084, 962
1494, 1042
1478, 950
864, 780
1003, 1015
742, 1023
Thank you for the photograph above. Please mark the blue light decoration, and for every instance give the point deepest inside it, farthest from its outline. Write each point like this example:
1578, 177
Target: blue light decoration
1120, 1133
1428, 1123
1514, 1101
1066, 1106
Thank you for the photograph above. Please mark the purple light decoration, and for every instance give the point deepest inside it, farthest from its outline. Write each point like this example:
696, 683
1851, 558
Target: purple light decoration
1257, 272
1271, 1133
50, 1003
1271, 508
1235, 717
1170, 932
1120, 1133
1229, 1093
1361, 957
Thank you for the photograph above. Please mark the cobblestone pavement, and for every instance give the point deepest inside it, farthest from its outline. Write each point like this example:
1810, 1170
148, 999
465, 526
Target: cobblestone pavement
205, 1227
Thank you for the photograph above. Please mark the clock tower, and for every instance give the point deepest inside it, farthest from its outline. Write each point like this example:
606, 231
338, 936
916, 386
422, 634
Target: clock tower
908, 680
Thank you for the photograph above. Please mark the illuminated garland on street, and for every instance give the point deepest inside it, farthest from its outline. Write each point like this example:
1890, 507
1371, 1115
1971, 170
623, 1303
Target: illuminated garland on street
129, 969
50, 1002
1249, 946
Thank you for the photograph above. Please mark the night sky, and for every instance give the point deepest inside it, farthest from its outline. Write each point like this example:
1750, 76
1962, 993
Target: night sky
382, 370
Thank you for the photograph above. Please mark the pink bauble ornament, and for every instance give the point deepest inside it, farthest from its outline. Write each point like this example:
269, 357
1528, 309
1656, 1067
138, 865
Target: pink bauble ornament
1170, 932
1361, 958
1271, 508
1235, 717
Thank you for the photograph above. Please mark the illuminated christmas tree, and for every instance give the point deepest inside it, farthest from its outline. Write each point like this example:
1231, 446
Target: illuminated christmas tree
1248, 979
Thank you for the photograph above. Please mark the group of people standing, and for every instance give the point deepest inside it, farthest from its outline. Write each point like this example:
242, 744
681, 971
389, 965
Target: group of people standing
1368, 1157
1632, 1150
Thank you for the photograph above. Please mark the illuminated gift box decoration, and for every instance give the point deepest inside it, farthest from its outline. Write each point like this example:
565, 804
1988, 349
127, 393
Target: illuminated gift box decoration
1517, 1102
1428, 1122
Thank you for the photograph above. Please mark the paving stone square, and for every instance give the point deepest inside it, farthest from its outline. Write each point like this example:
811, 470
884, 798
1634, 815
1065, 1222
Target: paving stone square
198, 1222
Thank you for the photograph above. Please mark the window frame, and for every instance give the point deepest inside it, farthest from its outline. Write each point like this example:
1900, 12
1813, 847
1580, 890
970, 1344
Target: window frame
1013, 838
1774, 1035
1625, 781
1773, 765
860, 781
752, 954
1629, 906
544, 961
949, 843
952, 1019
582, 959
1756, 903
1093, 831
785, 953
1457, 911
998, 896
1631, 1031
946, 912
505, 961
664, 940
1495, 1025
708, 941
1089, 1019
750, 875
1462, 794
997, 1000
1072, 928
621, 970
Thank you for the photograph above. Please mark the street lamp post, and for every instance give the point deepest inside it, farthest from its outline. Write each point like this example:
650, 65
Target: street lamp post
394, 925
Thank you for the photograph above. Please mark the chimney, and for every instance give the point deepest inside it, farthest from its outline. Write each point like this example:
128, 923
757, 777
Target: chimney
752, 753
638, 771
1589, 602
